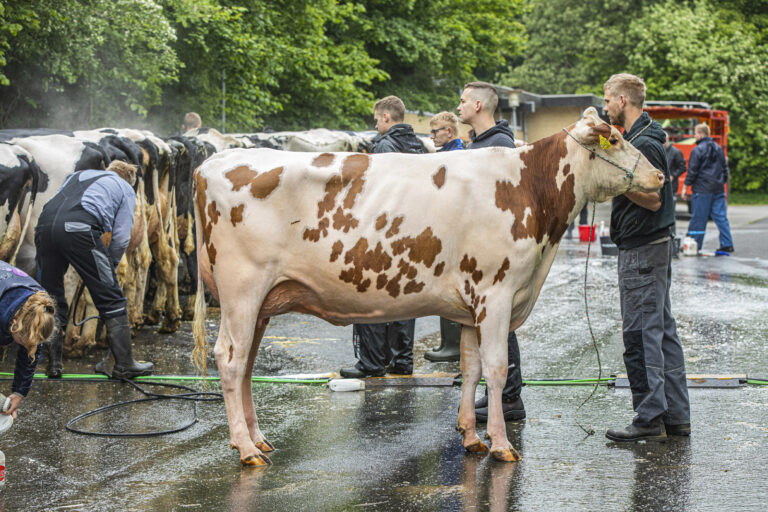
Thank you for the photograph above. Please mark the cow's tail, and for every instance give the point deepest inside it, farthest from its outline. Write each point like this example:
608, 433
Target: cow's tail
200, 352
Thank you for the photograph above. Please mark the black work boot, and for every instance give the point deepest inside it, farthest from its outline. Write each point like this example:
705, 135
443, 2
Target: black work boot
683, 429
55, 348
450, 338
513, 410
119, 338
633, 433
356, 373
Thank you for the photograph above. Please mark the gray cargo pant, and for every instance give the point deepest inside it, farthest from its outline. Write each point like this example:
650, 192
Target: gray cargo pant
653, 353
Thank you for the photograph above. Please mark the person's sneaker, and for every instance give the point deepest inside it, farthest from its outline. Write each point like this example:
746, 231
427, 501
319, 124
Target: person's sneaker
634, 433
684, 429
354, 373
726, 248
513, 411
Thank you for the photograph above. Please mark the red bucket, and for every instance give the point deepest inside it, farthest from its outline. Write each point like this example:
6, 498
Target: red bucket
584, 232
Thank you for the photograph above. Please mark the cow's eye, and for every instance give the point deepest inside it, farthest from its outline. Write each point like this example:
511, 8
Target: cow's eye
614, 140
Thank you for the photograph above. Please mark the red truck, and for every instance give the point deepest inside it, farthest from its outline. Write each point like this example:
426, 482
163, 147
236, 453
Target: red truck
684, 116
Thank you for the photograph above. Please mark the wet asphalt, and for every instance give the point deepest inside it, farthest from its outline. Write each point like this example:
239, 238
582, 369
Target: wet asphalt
395, 448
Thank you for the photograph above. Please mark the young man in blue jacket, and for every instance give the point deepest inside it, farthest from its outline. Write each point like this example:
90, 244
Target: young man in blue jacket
707, 176
641, 227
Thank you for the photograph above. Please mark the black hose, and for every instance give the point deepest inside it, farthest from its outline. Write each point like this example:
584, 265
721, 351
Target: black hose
193, 395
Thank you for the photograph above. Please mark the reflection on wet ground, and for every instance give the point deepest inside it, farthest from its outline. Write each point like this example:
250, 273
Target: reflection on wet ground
396, 449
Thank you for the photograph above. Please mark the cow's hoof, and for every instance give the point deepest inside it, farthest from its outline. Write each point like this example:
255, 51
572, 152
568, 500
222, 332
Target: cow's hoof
232, 446
265, 446
477, 447
506, 455
256, 460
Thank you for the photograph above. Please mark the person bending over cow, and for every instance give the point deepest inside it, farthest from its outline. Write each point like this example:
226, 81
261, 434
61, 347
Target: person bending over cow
476, 107
26, 318
641, 227
387, 346
69, 231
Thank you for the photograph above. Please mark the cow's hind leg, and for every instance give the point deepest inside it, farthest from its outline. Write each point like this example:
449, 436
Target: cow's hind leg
239, 310
470, 374
493, 354
250, 413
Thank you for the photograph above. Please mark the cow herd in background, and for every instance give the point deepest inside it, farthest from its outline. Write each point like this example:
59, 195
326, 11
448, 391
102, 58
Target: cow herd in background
160, 261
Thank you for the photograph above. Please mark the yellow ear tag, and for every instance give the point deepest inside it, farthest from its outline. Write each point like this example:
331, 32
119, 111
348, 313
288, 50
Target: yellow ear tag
604, 143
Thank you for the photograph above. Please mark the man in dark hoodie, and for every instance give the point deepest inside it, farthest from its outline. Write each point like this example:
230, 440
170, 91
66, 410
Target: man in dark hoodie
641, 227
387, 346
476, 107
707, 176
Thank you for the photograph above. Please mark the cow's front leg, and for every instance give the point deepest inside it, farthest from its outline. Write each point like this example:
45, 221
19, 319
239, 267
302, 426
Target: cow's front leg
231, 351
493, 354
471, 370
251, 419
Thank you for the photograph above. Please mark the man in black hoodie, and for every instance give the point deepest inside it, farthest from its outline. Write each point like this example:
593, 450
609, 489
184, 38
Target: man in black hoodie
641, 227
476, 107
388, 346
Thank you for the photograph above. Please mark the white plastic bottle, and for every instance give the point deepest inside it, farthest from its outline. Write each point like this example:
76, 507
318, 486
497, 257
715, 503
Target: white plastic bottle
346, 385
2, 470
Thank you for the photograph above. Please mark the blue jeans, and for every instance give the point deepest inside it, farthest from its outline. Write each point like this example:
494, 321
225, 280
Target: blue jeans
704, 207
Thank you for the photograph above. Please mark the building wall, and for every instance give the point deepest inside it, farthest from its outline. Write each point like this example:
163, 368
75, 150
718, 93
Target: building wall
547, 121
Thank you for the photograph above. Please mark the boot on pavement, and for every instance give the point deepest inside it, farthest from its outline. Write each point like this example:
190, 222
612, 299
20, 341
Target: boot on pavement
55, 348
119, 339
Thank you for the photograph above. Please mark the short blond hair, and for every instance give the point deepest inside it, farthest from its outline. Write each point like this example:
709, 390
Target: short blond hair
124, 170
448, 119
393, 106
192, 121
631, 87
703, 129
486, 93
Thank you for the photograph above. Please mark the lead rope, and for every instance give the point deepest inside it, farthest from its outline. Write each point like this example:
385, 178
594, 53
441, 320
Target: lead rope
590, 431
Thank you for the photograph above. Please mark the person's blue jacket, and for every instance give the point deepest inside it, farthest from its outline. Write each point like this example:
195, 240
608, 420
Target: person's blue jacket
15, 288
453, 145
707, 169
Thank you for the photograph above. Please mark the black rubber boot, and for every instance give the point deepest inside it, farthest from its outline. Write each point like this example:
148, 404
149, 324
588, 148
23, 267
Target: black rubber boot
119, 338
513, 410
101, 367
54, 366
450, 341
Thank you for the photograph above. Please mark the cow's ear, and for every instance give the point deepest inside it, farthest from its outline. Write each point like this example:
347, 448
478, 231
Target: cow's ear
596, 129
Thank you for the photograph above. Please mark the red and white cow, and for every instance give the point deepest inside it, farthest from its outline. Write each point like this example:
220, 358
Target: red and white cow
466, 235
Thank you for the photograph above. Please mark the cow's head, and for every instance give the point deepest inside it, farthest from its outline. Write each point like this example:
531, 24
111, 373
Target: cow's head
616, 165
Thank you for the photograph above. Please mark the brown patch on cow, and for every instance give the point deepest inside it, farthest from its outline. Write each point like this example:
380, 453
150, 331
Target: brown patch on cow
439, 268
381, 221
236, 214
240, 177
323, 160
332, 188
364, 285
481, 316
469, 265
381, 281
363, 259
264, 184
211, 252
409, 271
394, 228
499, 277
439, 177
412, 287
479, 336
213, 212
342, 221
538, 191
422, 249
467, 287
313, 235
336, 250
352, 173
393, 286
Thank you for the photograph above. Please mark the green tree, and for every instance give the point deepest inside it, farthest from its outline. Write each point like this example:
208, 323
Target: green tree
704, 53
80, 63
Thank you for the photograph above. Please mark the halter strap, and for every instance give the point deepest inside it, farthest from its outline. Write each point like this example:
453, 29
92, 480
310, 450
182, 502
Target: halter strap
630, 173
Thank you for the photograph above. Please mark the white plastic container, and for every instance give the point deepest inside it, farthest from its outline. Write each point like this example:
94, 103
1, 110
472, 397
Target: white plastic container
2, 470
6, 421
690, 247
346, 385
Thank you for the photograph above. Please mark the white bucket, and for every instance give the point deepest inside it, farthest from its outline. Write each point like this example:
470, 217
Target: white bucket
690, 247
346, 385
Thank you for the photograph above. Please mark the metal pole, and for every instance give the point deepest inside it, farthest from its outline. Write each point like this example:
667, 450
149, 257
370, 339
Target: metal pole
223, 101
